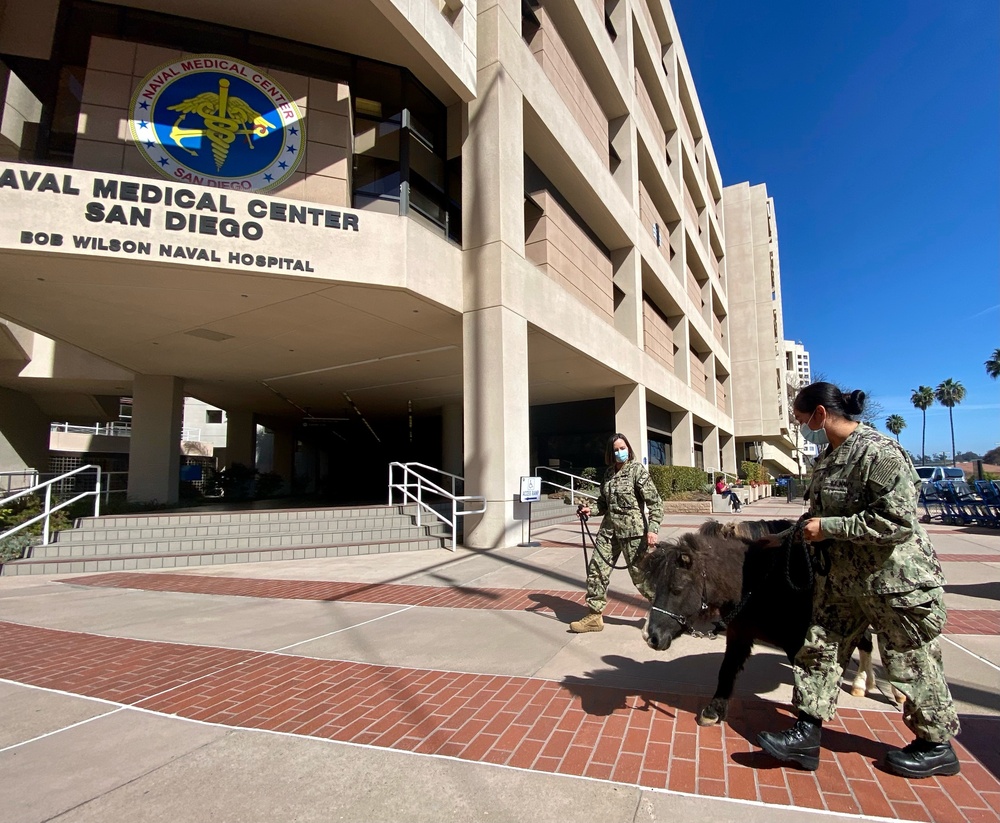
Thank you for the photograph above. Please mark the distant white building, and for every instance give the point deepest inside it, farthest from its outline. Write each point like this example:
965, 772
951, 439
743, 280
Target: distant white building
799, 375
797, 364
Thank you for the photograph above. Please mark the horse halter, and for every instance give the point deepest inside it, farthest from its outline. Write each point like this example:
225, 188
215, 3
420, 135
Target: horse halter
682, 621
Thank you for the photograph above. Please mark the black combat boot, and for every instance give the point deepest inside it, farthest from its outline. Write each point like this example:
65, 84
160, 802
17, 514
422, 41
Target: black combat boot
798, 745
923, 759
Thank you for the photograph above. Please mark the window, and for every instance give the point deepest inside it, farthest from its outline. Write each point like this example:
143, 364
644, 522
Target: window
213, 416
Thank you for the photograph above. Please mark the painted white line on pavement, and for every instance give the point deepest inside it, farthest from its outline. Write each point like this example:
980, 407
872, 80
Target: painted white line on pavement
118, 708
969, 651
338, 631
541, 774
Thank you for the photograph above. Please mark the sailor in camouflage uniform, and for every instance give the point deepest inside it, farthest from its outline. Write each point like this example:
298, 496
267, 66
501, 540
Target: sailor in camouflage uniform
883, 572
625, 488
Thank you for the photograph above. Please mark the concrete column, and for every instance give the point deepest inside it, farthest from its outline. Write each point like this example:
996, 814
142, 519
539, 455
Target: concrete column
682, 438
630, 418
24, 433
711, 450
495, 339
729, 455
155, 448
241, 438
496, 424
452, 438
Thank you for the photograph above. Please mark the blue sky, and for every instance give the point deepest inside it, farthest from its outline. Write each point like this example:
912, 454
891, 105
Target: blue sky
876, 127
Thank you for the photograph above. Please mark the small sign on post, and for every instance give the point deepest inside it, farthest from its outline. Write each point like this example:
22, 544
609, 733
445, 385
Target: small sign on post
531, 490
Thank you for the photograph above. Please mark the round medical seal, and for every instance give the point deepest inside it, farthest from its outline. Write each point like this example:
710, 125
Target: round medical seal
216, 121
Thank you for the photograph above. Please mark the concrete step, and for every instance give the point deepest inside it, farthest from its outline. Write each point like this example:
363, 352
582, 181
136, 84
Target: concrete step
272, 537
206, 518
141, 561
196, 530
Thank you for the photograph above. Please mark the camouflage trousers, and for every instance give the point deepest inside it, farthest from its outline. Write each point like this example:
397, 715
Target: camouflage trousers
908, 625
608, 549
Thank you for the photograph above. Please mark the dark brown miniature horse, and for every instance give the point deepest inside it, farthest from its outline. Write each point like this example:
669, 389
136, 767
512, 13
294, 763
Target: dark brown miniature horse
738, 571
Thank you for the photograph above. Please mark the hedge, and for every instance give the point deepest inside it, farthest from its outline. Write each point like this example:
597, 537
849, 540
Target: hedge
671, 480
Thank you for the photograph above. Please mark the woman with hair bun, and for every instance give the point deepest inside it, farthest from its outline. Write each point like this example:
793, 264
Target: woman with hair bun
862, 499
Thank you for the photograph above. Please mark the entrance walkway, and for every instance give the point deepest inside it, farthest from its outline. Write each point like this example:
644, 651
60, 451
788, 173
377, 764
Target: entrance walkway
440, 686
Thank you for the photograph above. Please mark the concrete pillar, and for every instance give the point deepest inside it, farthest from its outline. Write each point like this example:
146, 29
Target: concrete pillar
241, 438
711, 450
495, 339
155, 448
729, 455
630, 418
496, 424
452, 450
24, 433
682, 438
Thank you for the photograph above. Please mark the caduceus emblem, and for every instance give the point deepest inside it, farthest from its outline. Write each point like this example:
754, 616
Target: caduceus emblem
224, 118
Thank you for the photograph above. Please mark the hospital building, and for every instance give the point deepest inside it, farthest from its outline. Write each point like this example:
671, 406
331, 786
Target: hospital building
479, 235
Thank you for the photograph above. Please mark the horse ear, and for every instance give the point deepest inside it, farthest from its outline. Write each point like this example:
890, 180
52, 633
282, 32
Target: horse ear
652, 560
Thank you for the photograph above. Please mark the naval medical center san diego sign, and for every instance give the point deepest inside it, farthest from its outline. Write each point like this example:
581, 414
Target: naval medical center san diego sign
217, 121
222, 132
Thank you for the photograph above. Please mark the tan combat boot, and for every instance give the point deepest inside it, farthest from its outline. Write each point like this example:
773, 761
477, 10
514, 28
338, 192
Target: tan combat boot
593, 622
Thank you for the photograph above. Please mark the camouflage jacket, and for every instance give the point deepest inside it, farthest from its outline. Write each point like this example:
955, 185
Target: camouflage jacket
865, 492
619, 500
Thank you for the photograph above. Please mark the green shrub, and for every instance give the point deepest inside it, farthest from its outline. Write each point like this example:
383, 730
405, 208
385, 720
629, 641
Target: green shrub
15, 546
673, 480
268, 484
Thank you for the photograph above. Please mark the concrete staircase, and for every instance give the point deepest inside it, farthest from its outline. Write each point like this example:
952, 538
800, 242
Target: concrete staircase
158, 541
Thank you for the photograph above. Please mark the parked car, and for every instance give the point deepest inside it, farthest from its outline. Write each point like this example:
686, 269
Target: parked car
936, 474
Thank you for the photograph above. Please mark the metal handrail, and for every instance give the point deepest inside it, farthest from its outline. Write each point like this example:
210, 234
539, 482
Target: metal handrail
29, 477
412, 479
570, 488
49, 508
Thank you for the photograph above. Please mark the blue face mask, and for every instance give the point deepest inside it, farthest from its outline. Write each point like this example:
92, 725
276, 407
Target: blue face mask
815, 436
621, 455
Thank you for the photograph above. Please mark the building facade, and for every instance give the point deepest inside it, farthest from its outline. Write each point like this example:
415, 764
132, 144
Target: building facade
480, 235
761, 378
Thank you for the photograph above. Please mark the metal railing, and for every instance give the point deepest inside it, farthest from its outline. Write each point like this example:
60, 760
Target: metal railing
49, 509
104, 429
16, 481
414, 487
188, 433
575, 481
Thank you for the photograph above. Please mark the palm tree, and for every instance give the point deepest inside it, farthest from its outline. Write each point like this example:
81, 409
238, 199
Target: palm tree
895, 424
923, 399
993, 364
949, 394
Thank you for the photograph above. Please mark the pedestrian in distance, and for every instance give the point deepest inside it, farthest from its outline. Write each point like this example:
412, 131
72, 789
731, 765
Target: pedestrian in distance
625, 489
724, 489
883, 571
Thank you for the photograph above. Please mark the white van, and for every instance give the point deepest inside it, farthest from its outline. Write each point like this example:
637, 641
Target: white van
935, 474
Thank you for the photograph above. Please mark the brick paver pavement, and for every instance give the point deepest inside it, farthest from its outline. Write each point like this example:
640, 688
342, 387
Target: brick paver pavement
577, 728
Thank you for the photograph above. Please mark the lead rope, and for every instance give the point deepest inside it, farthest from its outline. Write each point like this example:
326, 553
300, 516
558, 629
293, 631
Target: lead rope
584, 525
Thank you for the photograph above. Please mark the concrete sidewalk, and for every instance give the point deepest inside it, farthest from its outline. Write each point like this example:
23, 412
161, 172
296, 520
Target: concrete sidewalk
440, 686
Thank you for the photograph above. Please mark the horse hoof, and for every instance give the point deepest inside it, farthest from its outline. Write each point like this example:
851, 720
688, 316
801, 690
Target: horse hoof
708, 717
857, 691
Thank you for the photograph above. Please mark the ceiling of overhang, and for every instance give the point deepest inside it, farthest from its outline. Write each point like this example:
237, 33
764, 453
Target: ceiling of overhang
356, 27
278, 345
275, 344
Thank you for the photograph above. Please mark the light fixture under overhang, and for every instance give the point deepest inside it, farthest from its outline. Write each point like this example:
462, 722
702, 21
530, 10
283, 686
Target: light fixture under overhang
208, 334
